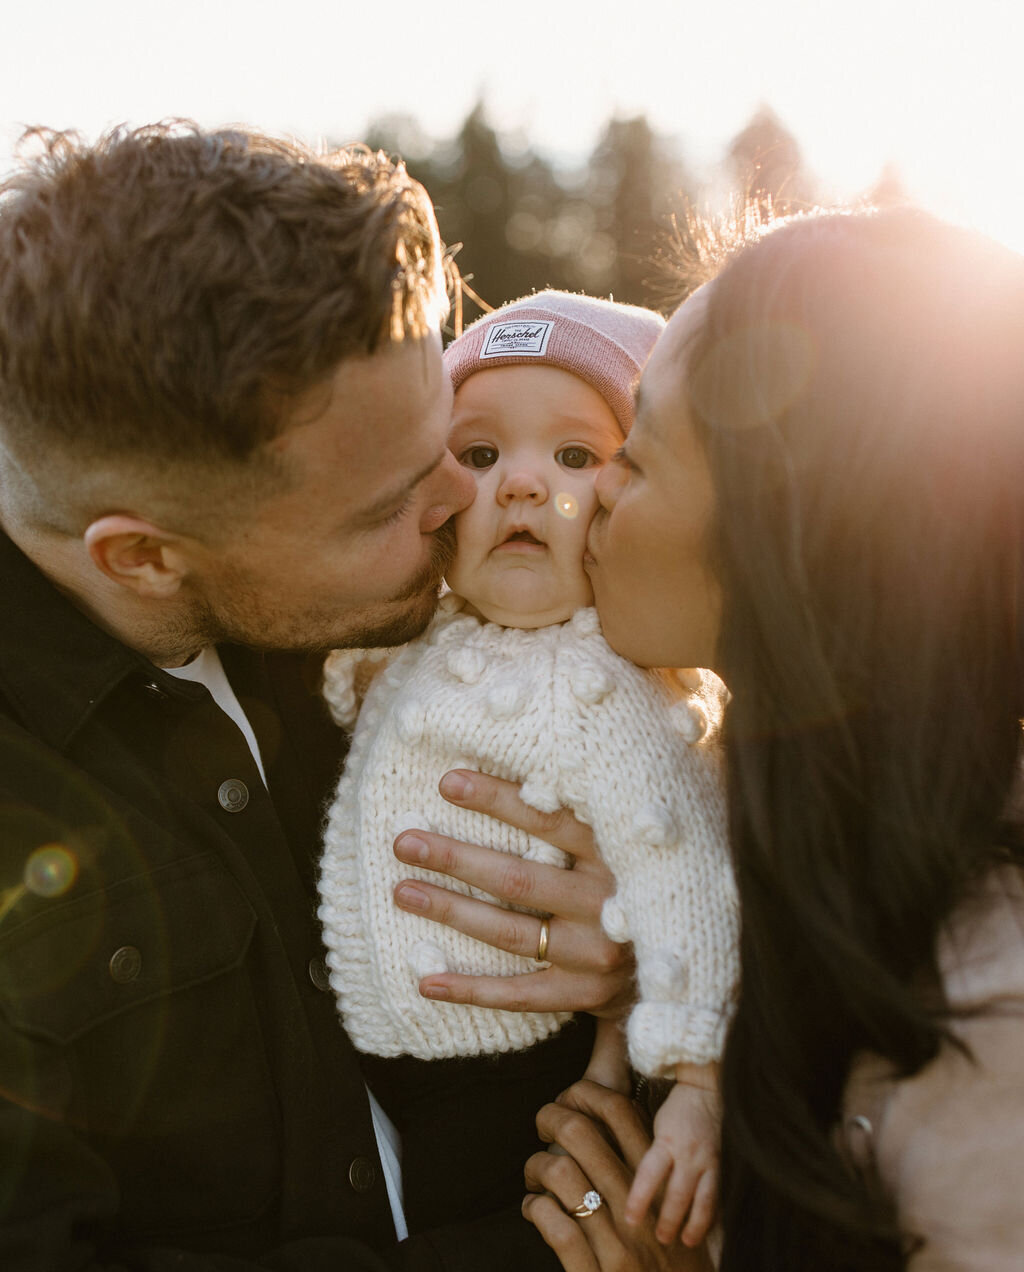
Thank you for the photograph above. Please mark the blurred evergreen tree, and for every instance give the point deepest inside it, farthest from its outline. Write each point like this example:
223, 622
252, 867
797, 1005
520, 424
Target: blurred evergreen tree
767, 165
524, 225
498, 206
635, 181
400, 134
474, 198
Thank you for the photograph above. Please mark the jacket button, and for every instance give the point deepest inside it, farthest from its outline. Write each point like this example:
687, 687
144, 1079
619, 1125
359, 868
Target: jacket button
362, 1174
318, 974
233, 795
125, 964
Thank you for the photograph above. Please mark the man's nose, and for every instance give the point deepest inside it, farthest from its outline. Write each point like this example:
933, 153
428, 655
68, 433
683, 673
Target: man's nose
522, 482
454, 489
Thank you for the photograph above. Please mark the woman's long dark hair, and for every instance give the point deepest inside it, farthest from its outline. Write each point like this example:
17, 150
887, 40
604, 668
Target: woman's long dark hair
859, 385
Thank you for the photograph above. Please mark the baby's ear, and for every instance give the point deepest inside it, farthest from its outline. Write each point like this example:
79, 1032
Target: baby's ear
136, 554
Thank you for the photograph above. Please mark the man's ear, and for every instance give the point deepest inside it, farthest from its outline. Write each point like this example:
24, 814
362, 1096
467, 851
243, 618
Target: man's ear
137, 555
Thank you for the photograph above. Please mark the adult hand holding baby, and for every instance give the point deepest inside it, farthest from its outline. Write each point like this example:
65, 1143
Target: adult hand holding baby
586, 971
604, 1137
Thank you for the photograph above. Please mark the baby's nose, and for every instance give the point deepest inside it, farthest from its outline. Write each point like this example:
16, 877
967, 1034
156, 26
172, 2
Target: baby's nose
523, 482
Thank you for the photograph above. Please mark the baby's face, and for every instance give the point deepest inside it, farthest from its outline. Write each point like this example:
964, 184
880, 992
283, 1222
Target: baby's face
534, 438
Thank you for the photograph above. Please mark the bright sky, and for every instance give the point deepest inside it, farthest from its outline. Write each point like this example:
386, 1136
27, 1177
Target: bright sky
936, 88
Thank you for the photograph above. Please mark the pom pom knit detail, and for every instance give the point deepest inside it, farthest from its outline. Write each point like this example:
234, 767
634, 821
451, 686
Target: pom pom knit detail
590, 684
689, 719
505, 701
427, 959
539, 795
411, 720
653, 826
467, 665
665, 977
614, 921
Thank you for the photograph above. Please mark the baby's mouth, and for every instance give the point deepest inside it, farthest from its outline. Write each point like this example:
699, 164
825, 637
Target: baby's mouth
522, 536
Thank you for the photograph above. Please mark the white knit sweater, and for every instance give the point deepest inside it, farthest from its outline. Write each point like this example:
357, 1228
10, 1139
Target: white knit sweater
557, 710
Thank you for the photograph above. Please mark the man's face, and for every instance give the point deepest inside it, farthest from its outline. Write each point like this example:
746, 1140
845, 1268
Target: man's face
349, 552
534, 439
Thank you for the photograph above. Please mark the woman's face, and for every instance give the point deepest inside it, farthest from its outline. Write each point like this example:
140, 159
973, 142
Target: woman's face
658, 603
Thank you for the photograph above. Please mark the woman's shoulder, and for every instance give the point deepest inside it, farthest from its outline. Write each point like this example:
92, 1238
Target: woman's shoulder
948, 1142
981, 950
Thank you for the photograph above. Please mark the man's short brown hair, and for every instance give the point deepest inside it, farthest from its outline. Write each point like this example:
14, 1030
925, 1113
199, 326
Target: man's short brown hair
166, 293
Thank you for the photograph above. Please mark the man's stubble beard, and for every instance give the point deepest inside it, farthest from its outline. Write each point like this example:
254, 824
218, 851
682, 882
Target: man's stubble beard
241, 616
425, 587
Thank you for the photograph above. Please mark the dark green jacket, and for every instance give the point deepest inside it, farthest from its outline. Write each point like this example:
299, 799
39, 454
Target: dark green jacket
175, 1089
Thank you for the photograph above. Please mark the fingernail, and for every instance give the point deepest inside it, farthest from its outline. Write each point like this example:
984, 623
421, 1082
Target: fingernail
438, 992
410, 897
455, 786
410, 848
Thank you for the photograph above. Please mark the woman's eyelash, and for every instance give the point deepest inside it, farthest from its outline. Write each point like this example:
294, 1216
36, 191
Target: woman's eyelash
621, 457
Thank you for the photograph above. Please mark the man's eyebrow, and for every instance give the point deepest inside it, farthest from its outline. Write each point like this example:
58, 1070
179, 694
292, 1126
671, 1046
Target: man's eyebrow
387, 501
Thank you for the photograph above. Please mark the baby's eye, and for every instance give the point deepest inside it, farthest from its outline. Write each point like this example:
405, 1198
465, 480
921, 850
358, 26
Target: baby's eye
479, 457
575, 457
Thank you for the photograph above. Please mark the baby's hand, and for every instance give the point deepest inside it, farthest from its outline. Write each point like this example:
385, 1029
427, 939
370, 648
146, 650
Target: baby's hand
684, 1158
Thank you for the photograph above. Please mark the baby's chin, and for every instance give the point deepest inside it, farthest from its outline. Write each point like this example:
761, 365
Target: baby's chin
530, 614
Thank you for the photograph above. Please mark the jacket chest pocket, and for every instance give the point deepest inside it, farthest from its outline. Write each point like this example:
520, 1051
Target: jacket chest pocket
140, 1013
74, 966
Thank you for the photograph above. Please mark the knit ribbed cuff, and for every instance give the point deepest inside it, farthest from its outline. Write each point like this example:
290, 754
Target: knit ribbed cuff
663, 1035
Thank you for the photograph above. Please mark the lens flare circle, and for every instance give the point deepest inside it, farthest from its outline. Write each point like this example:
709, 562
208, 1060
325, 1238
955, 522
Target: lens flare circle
566, 505
50, 870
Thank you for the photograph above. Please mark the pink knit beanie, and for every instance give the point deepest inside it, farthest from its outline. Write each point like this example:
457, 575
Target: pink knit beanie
604, 343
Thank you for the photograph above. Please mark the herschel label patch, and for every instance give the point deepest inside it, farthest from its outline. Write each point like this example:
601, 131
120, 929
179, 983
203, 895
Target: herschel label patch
504, 338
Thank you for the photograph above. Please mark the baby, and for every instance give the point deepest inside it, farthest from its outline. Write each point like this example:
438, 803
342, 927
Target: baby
514, 678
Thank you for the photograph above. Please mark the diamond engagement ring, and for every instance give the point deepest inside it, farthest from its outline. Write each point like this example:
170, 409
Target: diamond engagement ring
591, 1203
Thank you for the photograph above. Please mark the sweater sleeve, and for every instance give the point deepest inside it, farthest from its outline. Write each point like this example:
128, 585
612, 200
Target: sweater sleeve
648, 777
348, 674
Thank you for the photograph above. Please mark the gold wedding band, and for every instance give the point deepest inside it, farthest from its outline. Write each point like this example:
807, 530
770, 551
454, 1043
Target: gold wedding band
591, 1204
542, 944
